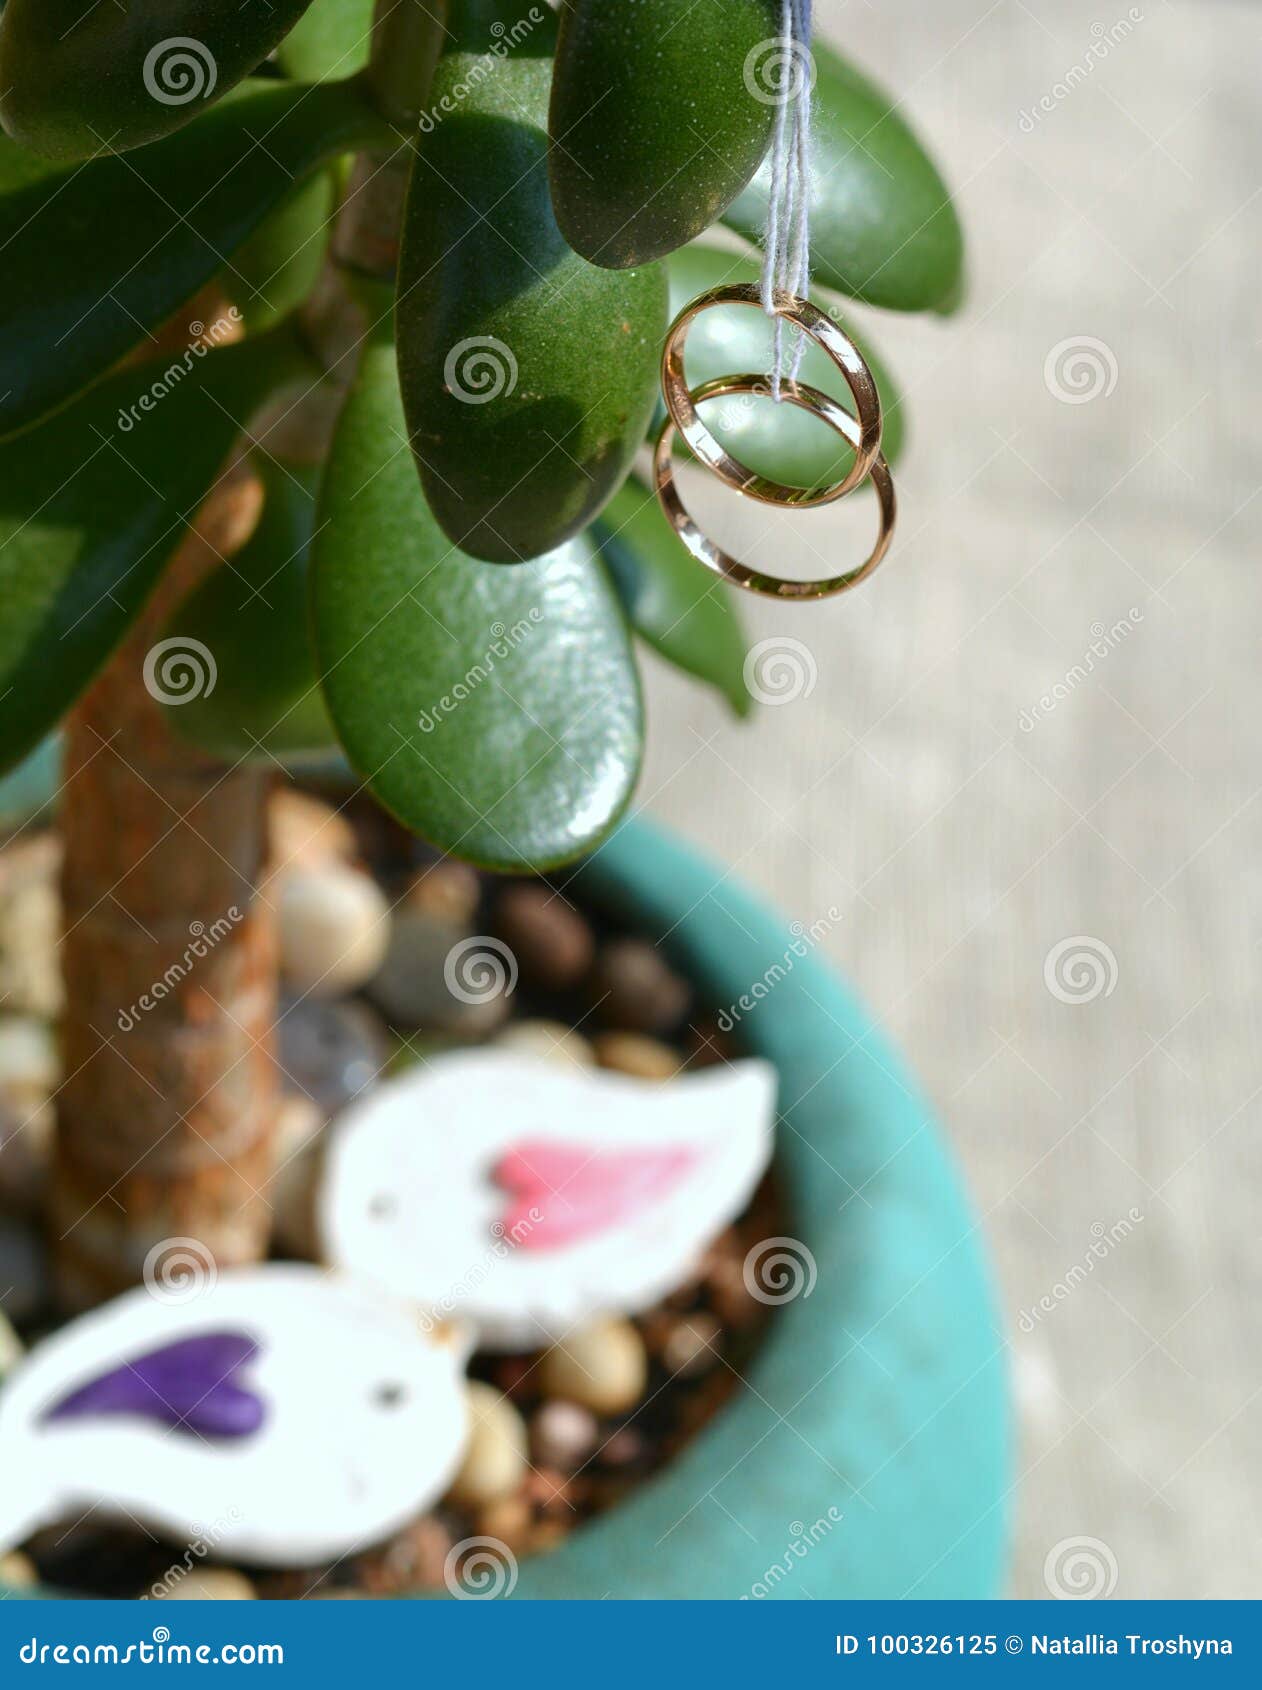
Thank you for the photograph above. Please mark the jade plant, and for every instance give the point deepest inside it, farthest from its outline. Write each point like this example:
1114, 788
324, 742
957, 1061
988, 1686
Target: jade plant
329, 336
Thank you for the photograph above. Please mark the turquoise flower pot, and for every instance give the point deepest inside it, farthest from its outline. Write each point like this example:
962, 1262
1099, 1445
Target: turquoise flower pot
869, 1455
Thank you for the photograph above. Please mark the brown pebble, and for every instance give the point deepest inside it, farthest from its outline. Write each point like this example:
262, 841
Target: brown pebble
692, 1347
622, 1447
552, 942
448, 891
510, 1520
563, 1435
636, 989
551, 1492
638, 1055
602, 1366
706, 1045
417, 1558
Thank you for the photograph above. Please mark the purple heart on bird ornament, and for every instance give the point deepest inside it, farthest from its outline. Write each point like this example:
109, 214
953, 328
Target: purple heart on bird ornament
304, 1414
526, 1197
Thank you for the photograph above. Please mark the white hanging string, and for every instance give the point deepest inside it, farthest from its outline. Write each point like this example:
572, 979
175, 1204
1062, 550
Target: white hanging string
787, 263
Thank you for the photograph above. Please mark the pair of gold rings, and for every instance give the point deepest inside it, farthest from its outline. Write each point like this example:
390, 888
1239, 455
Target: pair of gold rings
862, 432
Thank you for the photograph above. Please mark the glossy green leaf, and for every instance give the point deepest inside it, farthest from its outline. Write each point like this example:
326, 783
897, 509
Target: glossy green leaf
92, 505
779, 441
330, 40
529, 375
97, 254
252, 617
883, 227
661, 113
278, 266
495, 711
679, 608
77, 80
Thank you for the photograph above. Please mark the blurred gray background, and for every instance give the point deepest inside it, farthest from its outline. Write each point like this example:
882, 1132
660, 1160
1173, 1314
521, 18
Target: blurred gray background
1100, 550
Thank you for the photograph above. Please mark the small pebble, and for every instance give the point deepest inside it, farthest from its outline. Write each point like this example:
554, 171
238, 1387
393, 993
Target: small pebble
446, 891
638, 1055
206, 1584
563, 1435
334, 928
603, 1367
412, 988
30, 927
622, 1448
292, 1192
692, 1346
417, 1557
552, 1040
330, 1052
305, 832
11, 1348
509, 1520
496, 1457
636, 989
552, 942
29, 1072
550, 1492
24, 1283
18, 1571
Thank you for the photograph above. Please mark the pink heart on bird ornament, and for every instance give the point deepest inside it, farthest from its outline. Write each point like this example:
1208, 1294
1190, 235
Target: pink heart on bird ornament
564, 1193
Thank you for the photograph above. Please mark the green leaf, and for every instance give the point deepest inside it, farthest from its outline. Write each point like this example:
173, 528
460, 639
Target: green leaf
779, 441
276, 269
92, 505
678, 607
529, 376
252, 616
97, 255
330, 40
77, 80
883, 228
495, 711
658, 120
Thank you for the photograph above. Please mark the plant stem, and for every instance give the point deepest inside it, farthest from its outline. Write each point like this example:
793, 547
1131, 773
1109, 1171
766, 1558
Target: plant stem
406, 41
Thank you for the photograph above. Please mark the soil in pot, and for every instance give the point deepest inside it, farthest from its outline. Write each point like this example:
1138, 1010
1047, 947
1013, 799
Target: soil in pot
369, 925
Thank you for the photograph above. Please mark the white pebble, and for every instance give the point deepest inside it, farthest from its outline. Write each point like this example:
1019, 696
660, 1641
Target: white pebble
496, 1456
334, 929
603, 1367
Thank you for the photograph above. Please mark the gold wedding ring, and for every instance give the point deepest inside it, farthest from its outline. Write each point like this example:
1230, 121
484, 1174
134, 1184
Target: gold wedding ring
807, 399
681, 403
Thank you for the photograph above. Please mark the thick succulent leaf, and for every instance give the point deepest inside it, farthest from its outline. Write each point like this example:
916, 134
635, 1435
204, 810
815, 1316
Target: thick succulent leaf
92, 505
95, 255
330, 40
252, 616
529, 375
681, 610
779, 441
277, 268
495, 711
883, 227
77, 80
661, 113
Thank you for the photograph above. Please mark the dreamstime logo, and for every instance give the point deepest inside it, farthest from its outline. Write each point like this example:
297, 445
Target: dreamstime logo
780, 671
479, 969
506, 1239
202, 940
180, 70
803, 1539
506, 37
478, 1569
1104, 38
1080, 1569
205, 338
1080, 369
1103, 641
779, 1270
180, 670
1104, 1240
202, 1542
804, 940
504, 641
179, 1270
1080, 970
479, 370
779, 70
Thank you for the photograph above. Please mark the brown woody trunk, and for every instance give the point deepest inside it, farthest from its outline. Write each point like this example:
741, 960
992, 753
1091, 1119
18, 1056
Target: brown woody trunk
165, 1118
